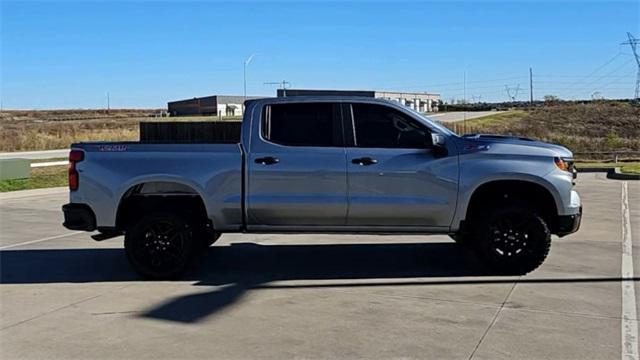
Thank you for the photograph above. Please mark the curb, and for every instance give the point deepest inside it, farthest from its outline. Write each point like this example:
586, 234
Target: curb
616, 174
34, 192
612, 173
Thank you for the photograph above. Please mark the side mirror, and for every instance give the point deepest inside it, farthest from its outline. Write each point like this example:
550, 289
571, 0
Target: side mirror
437, 140
438, 143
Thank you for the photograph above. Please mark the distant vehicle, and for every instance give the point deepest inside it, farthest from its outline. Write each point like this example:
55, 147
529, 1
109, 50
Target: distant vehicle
326, 165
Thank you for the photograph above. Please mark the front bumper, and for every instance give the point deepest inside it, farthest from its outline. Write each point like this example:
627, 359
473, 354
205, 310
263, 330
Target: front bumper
568, 224
78, 217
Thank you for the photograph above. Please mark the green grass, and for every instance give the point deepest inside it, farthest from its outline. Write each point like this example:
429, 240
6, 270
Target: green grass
52, 176
625, 167
49, 160
498, 118
498, 123
631, 168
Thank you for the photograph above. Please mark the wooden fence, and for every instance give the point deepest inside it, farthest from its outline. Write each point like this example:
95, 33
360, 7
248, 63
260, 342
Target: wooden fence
190, 132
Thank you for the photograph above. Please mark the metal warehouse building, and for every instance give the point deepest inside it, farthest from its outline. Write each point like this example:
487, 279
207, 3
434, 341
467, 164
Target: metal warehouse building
423, 102
219, 105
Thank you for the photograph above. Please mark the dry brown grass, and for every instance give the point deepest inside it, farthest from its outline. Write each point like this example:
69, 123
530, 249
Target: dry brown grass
594, 127
597, 126
57, 129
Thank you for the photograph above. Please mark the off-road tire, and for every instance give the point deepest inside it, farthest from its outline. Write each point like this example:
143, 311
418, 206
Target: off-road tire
160, 245
512, 241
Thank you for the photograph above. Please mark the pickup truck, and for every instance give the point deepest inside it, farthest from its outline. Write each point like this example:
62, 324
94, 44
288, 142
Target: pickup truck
326, 165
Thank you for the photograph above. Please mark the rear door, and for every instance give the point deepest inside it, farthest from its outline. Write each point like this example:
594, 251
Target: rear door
297, 167
395, 178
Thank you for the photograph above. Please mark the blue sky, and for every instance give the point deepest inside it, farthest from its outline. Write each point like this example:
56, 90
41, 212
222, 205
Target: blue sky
70, 54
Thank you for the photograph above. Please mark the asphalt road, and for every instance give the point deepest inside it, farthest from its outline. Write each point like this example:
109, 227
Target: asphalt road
63, 295
34, 155
461, 115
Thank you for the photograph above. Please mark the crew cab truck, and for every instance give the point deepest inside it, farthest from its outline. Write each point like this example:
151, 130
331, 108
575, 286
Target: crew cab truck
326, 165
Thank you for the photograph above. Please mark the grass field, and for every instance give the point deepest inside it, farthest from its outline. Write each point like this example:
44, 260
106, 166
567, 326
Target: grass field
46, 130
497, 123
631, 167
44, 177
586, 129
602, 126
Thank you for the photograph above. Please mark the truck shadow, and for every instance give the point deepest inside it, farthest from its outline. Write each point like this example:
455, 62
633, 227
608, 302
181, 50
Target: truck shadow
233, 270
249, 266
248, 263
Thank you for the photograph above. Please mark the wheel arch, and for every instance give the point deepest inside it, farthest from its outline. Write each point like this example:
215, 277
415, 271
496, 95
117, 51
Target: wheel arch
159, 193
533, 192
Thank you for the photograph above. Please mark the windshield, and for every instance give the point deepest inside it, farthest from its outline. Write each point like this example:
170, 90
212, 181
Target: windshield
432, 122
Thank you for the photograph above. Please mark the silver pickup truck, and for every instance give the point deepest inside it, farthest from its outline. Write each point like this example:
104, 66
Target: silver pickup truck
326, 165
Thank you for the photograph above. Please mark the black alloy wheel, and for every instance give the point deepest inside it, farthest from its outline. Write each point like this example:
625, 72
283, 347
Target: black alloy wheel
513, 240
160, 246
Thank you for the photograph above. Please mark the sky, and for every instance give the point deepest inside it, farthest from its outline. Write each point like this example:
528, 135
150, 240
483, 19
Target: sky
144, 53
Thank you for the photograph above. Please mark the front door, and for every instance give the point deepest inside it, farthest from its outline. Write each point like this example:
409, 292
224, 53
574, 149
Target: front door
297, 168
395, 178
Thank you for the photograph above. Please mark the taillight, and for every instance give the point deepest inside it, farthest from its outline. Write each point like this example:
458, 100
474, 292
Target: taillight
75, 156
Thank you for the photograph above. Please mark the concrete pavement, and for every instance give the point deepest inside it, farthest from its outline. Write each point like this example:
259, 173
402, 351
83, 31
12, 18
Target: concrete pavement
63, 295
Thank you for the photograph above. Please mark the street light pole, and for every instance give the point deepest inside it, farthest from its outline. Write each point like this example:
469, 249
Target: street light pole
244, 75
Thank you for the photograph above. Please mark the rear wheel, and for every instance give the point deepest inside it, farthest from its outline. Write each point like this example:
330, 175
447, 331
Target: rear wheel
513, 240
160, 245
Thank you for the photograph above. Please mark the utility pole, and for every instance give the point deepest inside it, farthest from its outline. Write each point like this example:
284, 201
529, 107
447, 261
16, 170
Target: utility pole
464, 99
633, 43
108, 102
530, 86
464, 120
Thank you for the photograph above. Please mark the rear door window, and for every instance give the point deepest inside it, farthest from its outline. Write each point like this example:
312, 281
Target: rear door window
303, 124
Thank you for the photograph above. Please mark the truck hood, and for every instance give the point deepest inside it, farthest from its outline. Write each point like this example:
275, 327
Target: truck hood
513, 144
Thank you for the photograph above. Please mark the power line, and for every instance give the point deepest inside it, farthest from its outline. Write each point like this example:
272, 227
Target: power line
458, 83
605, 86
606, 75
606, 63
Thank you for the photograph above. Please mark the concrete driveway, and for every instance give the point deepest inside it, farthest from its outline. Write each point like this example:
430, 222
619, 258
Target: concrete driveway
63, 295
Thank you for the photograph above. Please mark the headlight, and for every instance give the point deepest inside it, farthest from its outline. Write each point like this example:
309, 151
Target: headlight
566, 164
561, 164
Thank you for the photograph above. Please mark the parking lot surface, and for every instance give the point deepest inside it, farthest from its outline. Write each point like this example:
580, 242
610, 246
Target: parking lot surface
63, 295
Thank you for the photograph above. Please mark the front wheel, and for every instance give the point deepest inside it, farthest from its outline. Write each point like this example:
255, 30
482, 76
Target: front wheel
512, 240
160, 245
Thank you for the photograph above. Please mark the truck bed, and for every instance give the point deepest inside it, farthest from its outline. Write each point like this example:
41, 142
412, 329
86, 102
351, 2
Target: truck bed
110, 169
